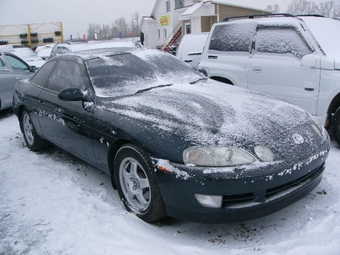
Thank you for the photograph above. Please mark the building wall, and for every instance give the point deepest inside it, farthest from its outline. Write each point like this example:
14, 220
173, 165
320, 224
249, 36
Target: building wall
207, 22
224, 11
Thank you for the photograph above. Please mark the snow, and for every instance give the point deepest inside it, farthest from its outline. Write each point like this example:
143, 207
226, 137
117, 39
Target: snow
53, 203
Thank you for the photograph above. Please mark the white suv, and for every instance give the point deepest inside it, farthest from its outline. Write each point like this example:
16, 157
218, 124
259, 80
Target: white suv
295, 58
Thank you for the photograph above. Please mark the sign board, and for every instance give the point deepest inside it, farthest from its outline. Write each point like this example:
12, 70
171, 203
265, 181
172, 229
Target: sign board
164, 20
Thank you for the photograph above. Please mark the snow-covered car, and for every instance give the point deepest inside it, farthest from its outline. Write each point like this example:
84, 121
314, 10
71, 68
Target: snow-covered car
190, 48
173, 141
295, 58
67, 47
44, 51
12, 69
25, 53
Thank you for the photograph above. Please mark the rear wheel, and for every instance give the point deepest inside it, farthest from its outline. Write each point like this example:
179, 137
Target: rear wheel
336, 126
137, 185
33, 141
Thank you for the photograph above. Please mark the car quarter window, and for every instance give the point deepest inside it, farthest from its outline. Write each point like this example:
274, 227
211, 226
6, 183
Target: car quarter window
281, 40
2, 63
16, 63
43, 73
67, 74
233, 37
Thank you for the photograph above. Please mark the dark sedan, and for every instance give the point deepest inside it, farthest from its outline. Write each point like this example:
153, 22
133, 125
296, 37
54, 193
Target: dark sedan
174, 142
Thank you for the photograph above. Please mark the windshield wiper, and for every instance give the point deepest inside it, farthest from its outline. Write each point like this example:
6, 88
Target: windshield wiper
200, 79
147, 89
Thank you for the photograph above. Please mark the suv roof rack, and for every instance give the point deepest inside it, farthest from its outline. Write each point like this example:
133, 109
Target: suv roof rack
259, 15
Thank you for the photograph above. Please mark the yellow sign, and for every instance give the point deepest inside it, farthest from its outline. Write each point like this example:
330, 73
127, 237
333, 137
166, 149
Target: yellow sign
164, 20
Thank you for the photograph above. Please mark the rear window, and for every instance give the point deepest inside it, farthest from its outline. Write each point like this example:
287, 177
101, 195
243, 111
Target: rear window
233, 37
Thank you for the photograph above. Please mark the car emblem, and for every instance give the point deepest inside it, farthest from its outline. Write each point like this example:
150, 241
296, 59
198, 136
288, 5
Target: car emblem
298, 139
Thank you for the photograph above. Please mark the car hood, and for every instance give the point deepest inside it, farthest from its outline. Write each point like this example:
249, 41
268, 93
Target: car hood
212, 113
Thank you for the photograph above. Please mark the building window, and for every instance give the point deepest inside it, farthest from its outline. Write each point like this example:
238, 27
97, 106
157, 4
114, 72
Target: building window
165, 33
179, 4
167, 6
159, 33
187, 28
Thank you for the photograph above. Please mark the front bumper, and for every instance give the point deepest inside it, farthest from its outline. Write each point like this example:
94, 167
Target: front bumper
245, 196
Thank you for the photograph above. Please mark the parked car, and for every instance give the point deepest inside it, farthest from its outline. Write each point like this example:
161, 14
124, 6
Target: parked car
25, 54
44, 51
190, 48
12, 69
295, 58
174, 142
63, 48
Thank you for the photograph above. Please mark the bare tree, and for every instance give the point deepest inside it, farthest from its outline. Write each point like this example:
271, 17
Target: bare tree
275, 8
327, 9
135, 24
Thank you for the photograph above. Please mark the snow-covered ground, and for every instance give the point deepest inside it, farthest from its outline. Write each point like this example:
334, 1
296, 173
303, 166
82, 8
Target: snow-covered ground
53, 203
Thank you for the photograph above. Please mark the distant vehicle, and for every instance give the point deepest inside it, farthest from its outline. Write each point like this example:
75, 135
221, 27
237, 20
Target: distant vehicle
173, 141
191, 47
12, 69
294, 58
63, 48
25, 54
44, 51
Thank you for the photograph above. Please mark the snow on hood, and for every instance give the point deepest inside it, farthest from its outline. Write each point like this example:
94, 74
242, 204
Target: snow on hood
211, 113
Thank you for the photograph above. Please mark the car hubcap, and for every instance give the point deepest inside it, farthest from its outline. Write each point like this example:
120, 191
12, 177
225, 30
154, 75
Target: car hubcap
28, 129
135, 184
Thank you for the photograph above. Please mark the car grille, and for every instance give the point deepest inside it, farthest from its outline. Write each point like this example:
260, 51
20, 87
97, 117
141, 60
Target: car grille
270, 194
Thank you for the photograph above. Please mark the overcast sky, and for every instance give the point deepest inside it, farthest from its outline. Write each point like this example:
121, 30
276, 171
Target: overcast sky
75, 15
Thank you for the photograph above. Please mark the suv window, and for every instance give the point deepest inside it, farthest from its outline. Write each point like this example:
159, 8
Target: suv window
233, 37
281, 40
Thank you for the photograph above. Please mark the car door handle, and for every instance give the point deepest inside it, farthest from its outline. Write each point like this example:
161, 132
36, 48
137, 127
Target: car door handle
187, 61
309, 89
257, 69
212, 57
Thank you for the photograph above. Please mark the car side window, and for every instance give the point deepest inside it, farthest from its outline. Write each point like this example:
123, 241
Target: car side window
43, 74
16, 63
233, 37
281, 40
67, 74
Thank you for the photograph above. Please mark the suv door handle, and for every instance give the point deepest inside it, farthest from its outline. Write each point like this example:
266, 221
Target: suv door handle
212, 57
257, 69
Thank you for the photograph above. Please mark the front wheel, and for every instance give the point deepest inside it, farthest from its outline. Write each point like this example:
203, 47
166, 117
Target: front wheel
336, 126
137, 185
33, 141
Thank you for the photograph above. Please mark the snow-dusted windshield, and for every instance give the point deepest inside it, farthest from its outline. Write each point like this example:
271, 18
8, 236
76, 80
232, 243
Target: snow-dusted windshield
127, 73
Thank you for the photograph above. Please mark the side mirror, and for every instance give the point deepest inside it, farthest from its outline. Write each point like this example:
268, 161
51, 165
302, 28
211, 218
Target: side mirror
203, 71
32, 69
72, 94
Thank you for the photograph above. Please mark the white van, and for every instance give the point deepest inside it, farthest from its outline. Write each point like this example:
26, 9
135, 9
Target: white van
191, 47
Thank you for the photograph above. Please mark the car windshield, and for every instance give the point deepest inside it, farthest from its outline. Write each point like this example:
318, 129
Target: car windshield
129, 73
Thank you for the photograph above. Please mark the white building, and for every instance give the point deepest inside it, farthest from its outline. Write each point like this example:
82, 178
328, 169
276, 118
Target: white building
171, 19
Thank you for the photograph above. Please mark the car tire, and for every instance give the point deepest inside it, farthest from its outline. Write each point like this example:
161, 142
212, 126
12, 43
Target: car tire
33, 141
136, 183
336, 126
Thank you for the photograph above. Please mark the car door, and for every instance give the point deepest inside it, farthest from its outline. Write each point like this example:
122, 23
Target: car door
12, 69
67, 123
275, 67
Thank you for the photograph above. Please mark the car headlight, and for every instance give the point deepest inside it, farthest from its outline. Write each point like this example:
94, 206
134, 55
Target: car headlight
217, 156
